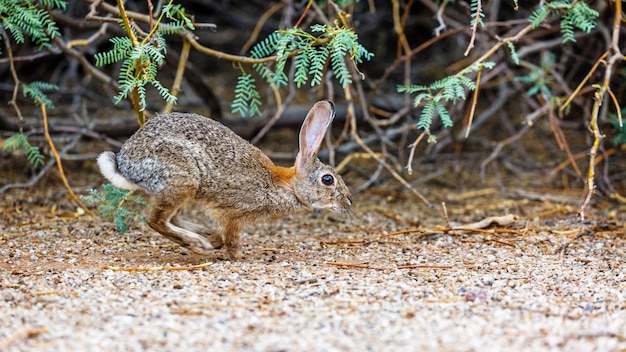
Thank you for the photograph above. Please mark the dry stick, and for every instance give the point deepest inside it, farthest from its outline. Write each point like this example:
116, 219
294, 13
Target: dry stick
32, 181
445, 214
306, 9
617, 108
87, 66
282, 106
413, 52
595, 112
561, 141
582, 83
259, 25
134, 94
180, 72
496, 151
31, 57
470, 46
23, 333
190, 36
352, 118
158, 268
404, 45
472, 108
354, 265
401, 232
409, 162
41, 172
423, 266
58, 159
487, 240
16, 80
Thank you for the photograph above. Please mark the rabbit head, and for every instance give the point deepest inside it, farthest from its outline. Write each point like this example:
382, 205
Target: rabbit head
315, 184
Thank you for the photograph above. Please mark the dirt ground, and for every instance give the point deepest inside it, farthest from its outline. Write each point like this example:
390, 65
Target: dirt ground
394, 275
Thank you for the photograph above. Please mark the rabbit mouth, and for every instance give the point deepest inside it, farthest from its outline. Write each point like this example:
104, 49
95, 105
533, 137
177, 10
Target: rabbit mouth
340, 207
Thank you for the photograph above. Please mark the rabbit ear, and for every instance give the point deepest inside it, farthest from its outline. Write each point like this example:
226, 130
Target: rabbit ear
313, 131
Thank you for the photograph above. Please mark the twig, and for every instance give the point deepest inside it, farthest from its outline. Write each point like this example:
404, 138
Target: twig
562, 141
363, 265
401, 232
445, 214
352, 118
598, 98
257, 29
472, 107
282, 106
87, 66
409, 162
423, 266
584, 81
190, 36
41, 172
496, 151
476, 21
158, 268
180, 72
58, 159
16, 80
29, 333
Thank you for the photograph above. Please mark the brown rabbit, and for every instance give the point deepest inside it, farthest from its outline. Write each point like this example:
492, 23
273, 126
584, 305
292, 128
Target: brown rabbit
180, 156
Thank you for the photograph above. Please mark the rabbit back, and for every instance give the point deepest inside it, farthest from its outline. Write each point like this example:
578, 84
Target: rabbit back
182, 152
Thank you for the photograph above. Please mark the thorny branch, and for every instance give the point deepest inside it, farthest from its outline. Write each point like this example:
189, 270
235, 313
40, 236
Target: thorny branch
616, 56
393, 127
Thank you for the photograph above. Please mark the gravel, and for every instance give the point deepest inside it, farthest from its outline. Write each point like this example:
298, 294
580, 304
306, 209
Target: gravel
311, 284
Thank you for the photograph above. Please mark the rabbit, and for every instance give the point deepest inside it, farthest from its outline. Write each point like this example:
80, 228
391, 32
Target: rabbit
179, 157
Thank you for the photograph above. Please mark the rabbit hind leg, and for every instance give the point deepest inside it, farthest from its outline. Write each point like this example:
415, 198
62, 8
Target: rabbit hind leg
160, 220
214, 238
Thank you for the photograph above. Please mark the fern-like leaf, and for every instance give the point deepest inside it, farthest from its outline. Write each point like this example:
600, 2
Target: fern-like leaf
427, 115
116, 204
247, 99
513, 52
19, 140
35, 90
318, 63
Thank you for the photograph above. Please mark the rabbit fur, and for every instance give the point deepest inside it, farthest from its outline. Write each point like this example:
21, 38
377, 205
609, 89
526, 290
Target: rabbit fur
178, 157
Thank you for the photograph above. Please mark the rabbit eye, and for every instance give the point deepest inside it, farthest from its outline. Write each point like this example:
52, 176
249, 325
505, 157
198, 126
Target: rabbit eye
328, 180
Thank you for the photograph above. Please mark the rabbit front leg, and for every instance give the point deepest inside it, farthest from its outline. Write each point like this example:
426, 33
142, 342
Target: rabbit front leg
230, 234
160, 221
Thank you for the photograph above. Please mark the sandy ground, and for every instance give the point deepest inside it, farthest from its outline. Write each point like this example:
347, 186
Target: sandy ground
545, 281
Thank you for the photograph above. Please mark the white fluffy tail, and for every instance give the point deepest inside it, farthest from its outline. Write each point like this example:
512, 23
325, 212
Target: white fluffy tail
108, 168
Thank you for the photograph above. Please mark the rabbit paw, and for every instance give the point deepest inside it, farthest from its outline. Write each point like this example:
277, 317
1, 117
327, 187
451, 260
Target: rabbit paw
234, 253
204, 245
201, 248
215, 239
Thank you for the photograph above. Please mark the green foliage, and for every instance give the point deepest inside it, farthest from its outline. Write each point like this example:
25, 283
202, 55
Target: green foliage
19, 140
513, 52
477, 12
573, 14
34, 90
311, 56
342, 4
116, 204
433, 96
141, 60
177, 14
540, 77
247, 98
31, 18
